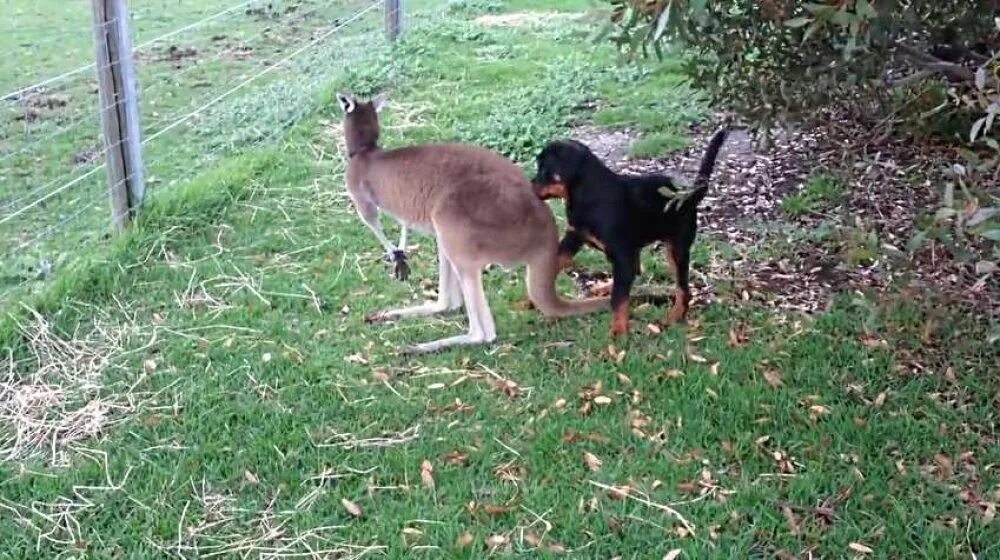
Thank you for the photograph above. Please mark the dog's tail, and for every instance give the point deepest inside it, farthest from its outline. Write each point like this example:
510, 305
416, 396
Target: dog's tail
711, 154
542, 272
700, 188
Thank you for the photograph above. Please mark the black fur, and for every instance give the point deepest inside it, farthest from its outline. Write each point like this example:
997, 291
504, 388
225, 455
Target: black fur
621, 214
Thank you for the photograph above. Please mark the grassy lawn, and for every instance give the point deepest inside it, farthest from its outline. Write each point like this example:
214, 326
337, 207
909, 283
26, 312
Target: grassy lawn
205, 386
49, 137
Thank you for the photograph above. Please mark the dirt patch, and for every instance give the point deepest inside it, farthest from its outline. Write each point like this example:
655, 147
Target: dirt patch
177, 56
522, 19
239, 52
38, 104
87, 156
801, 263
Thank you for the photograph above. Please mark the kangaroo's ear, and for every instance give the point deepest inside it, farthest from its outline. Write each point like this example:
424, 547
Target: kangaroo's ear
380, 101
347, 102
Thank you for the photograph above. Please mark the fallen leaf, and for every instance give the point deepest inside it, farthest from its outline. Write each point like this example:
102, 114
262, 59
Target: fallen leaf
714, 368
495, 542
880, 399
351, 507
737, 337
602, 400
556, 548
619, 492
673, 554
794, 525
654, 328
561, 403
464, 540
456, 458
380, 375
426, 474
624, 379
356, 359
533, 539
945, 467
508, 387
858, 547
436, 386
593, 463
251, 478
674, 374
494, 509
266, 357
773, 378
697, 358
149, 366
817, 410
949, 374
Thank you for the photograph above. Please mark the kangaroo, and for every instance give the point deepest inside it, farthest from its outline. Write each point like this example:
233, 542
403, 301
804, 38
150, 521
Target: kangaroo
479, 206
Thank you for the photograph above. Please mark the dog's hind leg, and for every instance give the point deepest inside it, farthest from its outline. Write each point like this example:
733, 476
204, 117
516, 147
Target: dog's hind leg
679, 255
449, 296
623, 269
482, 329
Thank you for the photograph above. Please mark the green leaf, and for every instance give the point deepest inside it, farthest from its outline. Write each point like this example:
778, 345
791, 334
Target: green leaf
663, 21
981, 78
977, 127
865, 8
992, 235
916, 242
798, 22
986, 267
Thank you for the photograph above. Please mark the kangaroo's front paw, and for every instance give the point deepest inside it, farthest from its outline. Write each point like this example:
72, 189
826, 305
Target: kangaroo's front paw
400, 268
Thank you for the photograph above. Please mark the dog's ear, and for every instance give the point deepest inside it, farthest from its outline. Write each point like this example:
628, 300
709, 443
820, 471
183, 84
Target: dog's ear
347, 102
380, 101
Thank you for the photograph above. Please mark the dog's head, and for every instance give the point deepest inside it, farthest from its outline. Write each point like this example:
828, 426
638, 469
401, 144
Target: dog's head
361, 125
559, 166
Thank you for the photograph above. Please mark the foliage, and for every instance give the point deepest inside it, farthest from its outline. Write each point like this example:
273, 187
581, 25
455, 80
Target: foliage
776, 59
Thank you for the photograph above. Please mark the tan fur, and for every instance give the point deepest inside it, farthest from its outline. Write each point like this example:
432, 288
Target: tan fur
477, 203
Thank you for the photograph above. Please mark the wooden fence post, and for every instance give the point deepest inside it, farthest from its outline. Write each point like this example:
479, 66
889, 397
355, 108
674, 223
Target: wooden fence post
393, 18
119, 106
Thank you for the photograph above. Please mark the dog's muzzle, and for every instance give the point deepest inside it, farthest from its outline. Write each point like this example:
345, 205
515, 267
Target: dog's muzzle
546, 191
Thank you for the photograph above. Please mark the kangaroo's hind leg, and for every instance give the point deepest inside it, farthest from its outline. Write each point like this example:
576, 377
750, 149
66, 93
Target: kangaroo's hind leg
449, 295
482, 329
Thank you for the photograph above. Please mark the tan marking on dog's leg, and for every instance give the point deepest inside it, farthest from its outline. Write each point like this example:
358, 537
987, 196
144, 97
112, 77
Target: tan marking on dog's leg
619, 319
682, 296
482, 329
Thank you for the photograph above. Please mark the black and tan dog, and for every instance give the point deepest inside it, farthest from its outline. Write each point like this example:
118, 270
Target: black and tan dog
621, 214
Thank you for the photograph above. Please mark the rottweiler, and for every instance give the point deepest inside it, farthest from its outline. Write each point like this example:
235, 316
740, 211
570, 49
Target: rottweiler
620, 214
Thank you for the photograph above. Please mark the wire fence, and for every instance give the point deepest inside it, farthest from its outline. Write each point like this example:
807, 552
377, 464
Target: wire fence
214, 78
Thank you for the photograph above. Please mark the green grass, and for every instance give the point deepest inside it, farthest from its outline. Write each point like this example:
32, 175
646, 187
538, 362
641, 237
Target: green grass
249, 364
656, 145
50, 138
821, 191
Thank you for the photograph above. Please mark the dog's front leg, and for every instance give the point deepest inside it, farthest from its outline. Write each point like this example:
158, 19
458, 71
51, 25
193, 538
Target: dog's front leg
623, 270
570, 245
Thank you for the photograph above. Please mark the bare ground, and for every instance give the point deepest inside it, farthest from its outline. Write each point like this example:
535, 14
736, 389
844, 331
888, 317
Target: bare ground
800, 263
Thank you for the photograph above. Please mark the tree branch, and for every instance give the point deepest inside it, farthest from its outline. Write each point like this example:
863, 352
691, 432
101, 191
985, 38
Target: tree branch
927, 62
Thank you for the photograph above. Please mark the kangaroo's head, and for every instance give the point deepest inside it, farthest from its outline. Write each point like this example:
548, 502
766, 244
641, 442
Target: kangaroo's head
361, 128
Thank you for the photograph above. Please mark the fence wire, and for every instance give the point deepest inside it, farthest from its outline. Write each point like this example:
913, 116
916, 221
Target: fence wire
238, 77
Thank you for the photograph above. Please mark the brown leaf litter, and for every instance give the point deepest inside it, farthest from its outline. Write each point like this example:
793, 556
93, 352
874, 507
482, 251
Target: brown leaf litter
886, 187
